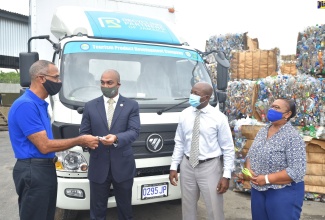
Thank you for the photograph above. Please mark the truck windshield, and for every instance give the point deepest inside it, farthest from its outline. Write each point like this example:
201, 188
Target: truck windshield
154, 75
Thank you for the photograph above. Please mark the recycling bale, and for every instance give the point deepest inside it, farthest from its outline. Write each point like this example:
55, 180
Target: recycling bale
225, 43
288, 64
310, 51
254, 64
315, 173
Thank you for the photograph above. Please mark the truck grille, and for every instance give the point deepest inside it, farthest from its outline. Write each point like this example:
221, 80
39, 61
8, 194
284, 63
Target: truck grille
141, 151
152, 171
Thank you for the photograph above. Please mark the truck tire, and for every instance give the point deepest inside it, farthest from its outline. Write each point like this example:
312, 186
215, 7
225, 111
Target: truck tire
65, 214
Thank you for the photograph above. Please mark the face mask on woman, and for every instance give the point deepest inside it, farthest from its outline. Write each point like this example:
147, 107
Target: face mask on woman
273, 115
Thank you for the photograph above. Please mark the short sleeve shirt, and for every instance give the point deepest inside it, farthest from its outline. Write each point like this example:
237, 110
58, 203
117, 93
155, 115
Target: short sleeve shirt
28, 115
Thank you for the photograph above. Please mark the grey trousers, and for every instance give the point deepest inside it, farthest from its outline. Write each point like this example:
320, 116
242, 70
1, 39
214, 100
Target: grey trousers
203, 179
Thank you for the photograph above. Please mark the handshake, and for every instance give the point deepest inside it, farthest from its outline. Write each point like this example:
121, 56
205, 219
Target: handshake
93, 141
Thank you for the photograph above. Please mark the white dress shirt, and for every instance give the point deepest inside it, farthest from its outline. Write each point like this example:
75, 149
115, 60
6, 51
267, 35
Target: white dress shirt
215, 137
114, 105
106, 102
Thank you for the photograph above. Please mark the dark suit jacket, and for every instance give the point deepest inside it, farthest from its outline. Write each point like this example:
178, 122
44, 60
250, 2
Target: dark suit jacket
125, 125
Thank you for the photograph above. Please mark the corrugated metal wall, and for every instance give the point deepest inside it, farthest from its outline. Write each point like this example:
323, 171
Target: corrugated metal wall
14, 34
13, 37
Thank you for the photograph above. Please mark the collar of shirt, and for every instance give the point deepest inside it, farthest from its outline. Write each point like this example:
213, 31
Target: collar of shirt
115, 99
203, 110
106, 101
37, 99
285, 126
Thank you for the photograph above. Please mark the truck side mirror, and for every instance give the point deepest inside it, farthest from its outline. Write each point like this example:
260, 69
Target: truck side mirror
25, 62
222, 70
222, 96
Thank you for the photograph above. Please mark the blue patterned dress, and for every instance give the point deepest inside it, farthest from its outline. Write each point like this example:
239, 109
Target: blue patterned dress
285, 150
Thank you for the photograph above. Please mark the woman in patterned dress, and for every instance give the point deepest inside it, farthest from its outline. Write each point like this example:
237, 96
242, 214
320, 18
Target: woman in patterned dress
277, 162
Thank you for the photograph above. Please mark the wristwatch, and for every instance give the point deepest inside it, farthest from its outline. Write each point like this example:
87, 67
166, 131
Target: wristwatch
116, 141
267, 179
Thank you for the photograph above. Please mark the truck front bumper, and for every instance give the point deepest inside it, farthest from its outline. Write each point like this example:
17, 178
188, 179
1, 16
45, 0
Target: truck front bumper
65, 185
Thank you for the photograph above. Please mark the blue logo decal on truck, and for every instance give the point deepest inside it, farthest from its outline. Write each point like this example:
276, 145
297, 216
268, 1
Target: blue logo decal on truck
129, 27
124, 48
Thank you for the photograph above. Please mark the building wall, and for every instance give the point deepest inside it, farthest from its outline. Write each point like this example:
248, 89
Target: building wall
9, 88
14, 35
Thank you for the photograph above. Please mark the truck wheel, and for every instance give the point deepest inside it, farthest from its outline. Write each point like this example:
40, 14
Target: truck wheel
65, 214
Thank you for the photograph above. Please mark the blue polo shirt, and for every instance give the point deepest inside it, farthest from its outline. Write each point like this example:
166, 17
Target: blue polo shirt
28, 115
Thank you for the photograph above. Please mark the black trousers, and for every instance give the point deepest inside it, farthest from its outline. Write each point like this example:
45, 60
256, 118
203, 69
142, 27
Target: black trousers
36, 186
99, 194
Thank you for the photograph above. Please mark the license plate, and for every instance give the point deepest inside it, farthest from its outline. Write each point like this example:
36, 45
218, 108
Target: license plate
151, 191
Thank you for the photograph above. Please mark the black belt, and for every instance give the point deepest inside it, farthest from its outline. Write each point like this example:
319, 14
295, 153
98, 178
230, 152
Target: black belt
40, 160
202, 161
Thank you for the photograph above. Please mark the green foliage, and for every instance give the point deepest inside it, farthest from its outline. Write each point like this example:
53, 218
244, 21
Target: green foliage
11, 77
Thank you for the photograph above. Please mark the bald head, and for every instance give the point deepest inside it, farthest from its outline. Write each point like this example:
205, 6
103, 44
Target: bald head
113, 74
205, 88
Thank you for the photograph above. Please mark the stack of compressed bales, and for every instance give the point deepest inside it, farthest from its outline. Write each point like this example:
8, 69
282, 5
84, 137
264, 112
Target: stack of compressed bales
310, 51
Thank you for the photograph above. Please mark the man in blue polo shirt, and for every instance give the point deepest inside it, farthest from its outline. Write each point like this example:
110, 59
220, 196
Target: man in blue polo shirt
32, 141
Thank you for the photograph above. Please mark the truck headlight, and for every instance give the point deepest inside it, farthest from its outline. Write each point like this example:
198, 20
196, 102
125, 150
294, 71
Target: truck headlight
71, 161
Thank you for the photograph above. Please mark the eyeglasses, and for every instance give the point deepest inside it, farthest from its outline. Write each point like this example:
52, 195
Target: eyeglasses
56, 77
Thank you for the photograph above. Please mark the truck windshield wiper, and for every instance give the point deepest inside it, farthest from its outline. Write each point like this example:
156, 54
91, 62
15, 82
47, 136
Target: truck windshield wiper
183, 98
139, 98
166, 109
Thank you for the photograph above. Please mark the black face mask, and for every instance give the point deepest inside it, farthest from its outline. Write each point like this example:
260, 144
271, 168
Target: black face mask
51, 87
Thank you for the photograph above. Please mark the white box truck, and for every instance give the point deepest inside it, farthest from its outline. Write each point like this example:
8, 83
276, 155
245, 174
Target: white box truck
157, 69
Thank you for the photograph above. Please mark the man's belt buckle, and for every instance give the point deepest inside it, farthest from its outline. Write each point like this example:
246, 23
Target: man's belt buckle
206, 160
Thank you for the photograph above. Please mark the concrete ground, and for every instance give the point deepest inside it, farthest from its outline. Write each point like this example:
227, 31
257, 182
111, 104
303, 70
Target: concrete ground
236, 204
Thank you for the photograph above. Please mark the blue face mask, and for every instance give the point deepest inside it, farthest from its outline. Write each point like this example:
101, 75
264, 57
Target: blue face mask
273, 115
194, 100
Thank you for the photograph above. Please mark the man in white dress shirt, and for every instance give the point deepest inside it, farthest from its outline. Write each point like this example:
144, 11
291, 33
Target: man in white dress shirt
211, 173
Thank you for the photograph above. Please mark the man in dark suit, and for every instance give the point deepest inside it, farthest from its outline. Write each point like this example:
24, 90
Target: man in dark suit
115, 120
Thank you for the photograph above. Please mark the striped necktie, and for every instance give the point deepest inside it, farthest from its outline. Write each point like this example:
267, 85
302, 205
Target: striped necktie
110, 112
194, 154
